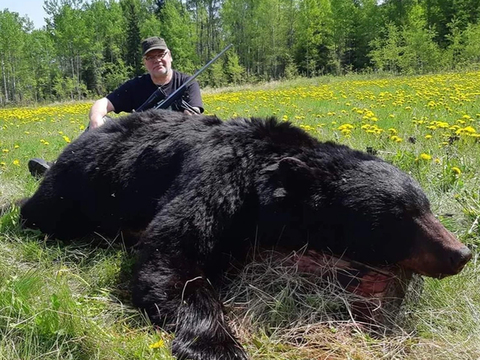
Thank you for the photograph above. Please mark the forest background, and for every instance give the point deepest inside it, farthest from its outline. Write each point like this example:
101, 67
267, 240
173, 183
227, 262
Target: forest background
87, 48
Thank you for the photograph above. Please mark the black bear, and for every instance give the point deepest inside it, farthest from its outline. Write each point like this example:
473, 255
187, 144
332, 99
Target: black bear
201, 192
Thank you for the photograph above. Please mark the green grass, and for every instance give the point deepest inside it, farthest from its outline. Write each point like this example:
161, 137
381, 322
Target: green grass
71, 301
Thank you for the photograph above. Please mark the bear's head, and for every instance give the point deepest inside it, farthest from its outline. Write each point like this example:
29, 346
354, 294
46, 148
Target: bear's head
355, 204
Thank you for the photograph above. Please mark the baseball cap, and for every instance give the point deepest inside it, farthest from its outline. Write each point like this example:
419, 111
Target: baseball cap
153, 43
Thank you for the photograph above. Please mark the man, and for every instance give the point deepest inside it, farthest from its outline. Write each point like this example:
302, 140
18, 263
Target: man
157, 59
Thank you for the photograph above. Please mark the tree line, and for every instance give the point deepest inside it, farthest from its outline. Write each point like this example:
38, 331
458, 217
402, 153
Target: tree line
87, 48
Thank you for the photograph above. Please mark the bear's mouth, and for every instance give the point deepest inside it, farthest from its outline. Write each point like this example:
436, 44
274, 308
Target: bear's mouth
451, 262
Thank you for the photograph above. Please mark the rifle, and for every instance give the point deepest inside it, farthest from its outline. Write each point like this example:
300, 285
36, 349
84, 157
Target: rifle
158, 101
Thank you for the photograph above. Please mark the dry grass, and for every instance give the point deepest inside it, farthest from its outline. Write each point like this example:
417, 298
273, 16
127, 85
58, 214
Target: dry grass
283, 313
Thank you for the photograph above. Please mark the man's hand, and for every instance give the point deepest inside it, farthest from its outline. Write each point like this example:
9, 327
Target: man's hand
193, 110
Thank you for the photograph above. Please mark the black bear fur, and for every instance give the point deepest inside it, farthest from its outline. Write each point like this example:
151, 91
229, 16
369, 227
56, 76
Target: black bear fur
201, 191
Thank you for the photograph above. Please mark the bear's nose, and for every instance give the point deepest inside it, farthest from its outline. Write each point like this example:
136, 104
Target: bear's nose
460, 258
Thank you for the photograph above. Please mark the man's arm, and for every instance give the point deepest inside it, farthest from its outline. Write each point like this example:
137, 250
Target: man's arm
99, 109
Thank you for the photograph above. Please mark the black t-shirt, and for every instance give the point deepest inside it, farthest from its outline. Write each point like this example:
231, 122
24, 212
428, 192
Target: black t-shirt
133, 93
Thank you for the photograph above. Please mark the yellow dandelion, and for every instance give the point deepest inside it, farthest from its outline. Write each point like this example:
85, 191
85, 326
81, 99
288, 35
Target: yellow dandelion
159, 344
392, 131
395, 138
307, 127
3, 163
5, 150
66, 138
443, 124
344, 127
16, 162
16, 146
456, 170
466, 130
428, 136
424, 156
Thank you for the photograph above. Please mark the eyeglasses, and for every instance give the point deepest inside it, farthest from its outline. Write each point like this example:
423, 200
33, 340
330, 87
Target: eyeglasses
156, 56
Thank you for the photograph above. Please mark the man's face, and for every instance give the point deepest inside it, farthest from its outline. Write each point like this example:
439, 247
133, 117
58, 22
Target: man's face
158, 62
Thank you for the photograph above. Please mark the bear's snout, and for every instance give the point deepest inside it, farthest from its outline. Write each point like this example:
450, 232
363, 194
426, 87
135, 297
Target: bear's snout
460, 258
436, 252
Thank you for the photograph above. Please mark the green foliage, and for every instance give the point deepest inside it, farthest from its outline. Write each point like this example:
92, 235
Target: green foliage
463, 51
472, 45
133, 56
12, 34
115, 74
85, 41
420, 52
386, 53
409, 49
234, 72
216, 76
314, 34
291, 70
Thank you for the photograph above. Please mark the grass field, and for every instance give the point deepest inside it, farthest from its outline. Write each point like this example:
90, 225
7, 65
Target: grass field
71, 301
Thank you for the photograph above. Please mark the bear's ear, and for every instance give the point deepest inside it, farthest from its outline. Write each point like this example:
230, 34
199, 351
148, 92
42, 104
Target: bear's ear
295, 175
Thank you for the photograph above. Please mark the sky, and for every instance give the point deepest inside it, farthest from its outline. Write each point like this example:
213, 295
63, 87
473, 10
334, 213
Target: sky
31, 8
